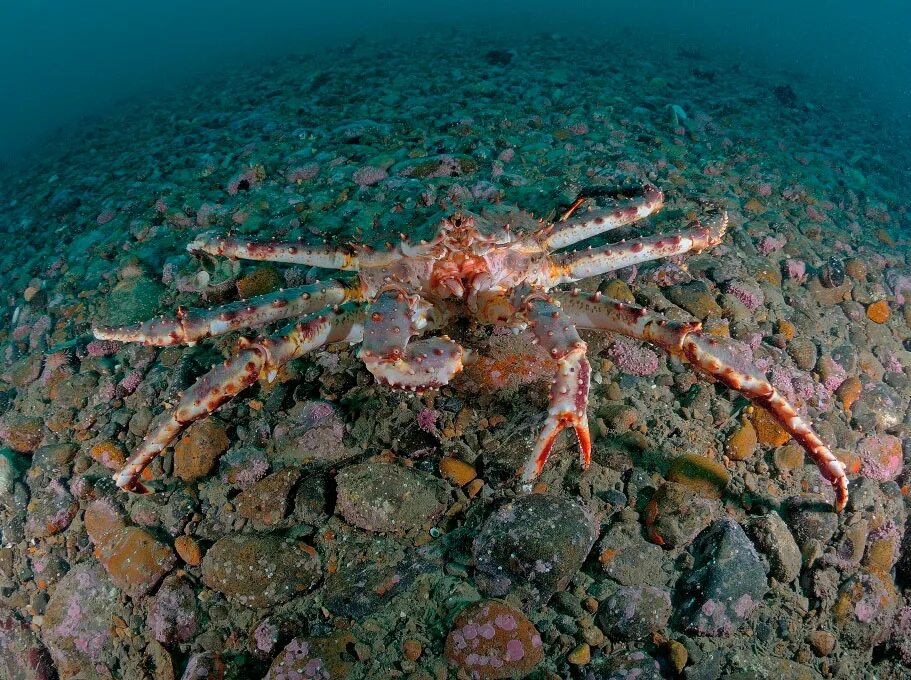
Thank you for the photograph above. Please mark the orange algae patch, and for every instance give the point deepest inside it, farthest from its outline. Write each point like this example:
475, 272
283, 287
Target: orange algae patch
878, 312
849, 392
742, 443
768, 430
109, 454
786, 328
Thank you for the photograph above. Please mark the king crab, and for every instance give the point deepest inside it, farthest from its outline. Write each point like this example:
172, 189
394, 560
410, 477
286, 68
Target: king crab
498, 277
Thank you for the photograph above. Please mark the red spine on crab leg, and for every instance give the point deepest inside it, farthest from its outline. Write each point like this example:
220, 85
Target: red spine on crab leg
392, 318
719, 358
569, 392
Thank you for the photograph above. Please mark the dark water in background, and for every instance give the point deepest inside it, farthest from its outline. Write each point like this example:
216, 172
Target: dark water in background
66, 60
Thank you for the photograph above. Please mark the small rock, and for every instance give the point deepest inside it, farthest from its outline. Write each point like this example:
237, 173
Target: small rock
695, 298
822, 642
22, 657
22, 434
631, 560
624, 666
198, 450
881, 457
742, 443
811, 519
456, 471
532, 546
771, 535
635, 613
172, 611
188, 550
389, 498
133, 558
50, 511
864, 610
260, 571
314, 431
266, 502
727, 582
580, 655
675, 515
323, 658
490, 639
677, 655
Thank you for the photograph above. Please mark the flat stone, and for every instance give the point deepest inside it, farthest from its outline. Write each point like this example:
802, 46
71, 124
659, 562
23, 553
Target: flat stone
325, 658
22, 656
676, 514
266, 502
50, 511
260, 571
628, 558
172, 612
533, 546
389, 498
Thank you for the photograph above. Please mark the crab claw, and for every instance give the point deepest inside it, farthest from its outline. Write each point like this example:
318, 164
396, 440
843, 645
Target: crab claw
387, 351
424, 365
568, 403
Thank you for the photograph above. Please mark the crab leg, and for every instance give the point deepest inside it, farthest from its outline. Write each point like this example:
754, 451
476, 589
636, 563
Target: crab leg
275, 251
557, 334
571, 230
192, 325
574, 266
718, 357
256, 359
392, 319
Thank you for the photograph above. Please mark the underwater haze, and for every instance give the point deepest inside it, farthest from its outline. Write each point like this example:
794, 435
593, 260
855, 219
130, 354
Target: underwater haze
455, 340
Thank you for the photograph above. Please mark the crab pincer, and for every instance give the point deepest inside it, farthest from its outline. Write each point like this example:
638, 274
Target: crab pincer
555, 332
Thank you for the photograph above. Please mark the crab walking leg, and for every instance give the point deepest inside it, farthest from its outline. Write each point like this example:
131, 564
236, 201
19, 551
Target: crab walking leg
193, 325
569, 267
718, 357
557, 334
274, 251
392, 319
256, 359
593, 222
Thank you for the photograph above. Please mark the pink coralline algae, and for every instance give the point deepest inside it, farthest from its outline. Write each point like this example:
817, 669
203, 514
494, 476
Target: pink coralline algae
769, 244
506, 155
427, 419
369, 175
248, 179
105, 217
796, 270
881, 457
130, 382
632, 358
750, 296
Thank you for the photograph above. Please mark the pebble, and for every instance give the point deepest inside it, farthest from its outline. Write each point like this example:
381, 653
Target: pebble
22, 656
636, 612
266, 503
188, 549
625, 665
50, 511
172, 614
580, 655
769, 431
533, 546
629, 559
822, 642
742, 443
260, 571
197, 451
675, 515
457, 472
491, 639
864, 610
389, 498
695, 298
727, 582
703, 475
22, 434
772, 538
204, 666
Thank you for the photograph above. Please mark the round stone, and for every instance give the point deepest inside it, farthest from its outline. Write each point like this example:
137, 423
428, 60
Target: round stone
533, 546
490, 639
389, 498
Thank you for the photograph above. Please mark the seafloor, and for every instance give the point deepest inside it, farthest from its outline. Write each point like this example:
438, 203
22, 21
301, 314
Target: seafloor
324, 526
